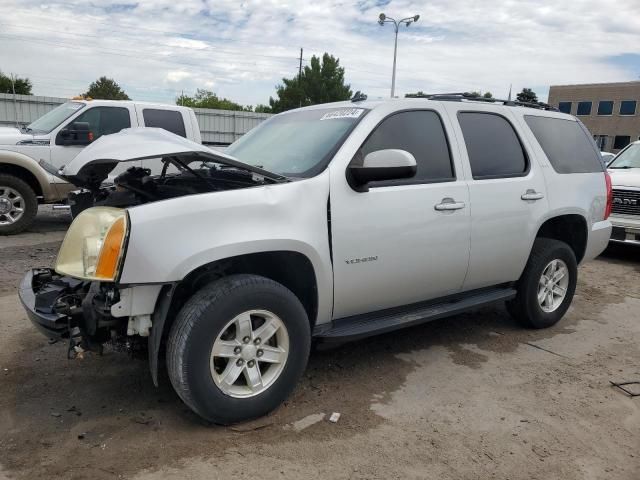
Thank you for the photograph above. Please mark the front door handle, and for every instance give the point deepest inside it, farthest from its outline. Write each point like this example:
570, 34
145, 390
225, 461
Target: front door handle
532, 195
449, 204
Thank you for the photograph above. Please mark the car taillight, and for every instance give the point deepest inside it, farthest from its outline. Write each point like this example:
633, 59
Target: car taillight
607, 210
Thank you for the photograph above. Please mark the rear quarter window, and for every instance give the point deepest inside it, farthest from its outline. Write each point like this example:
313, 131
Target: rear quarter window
170, 120
566, 144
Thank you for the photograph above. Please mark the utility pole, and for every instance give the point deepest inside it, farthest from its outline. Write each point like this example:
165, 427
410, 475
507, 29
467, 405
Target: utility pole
300, 75
15, 104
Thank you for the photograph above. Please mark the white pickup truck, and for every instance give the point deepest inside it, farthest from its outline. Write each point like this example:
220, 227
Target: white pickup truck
57, 137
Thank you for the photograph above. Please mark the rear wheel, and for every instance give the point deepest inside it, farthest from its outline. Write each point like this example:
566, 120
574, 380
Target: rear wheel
237, 348
18, 205
547, 285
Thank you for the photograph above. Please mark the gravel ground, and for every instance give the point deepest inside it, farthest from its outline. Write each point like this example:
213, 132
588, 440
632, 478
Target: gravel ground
473, 396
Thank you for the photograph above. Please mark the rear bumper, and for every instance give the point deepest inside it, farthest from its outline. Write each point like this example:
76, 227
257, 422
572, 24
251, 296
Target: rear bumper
598, 239
47, 321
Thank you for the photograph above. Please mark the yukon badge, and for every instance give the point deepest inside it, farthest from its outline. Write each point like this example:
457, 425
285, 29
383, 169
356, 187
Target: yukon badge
361, 260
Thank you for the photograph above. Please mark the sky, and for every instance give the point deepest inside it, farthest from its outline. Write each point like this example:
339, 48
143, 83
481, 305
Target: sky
240, 49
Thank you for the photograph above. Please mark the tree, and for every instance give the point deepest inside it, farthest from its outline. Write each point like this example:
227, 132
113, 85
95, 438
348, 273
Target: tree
528, 96
487, 95
418, 94
320, 82
208, 99
106, 89
260, 108
21, 85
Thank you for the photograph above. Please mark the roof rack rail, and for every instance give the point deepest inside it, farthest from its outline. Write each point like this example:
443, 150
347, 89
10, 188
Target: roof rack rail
460, 96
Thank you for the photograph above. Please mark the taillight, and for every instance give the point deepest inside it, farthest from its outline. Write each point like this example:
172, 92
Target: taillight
607, 210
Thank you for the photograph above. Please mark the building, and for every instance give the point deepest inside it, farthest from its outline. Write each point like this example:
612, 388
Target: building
611, 111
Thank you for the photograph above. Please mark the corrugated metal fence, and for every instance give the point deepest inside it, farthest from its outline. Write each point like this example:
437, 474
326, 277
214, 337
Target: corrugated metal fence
216, 126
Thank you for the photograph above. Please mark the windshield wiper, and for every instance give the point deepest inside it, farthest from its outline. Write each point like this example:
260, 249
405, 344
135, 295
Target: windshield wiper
624, 167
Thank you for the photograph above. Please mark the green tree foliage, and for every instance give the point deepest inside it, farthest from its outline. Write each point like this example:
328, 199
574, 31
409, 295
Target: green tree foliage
418, 94
322, 81
208, 99
106, 89
527, 95
260, 108
487, 95
22, 85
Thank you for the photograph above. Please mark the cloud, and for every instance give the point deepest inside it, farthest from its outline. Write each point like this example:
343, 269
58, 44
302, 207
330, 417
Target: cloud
157, 48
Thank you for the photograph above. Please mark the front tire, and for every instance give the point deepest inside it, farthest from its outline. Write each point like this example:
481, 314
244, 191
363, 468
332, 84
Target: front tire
18, 205
237, 348
547, 285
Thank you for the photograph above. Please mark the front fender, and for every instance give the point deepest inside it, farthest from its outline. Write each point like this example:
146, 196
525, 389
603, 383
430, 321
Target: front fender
170, 239
29, 164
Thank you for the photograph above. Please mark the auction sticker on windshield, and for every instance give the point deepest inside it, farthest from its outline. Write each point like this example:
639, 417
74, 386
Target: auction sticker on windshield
344, 113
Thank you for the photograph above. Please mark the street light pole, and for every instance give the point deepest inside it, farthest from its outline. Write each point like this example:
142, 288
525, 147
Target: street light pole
382, 19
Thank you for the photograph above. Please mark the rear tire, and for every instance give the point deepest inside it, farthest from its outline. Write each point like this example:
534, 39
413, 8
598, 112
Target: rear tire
547, 285
18, 205
221, 328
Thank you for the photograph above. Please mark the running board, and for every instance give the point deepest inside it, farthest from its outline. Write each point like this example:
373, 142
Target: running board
361, 326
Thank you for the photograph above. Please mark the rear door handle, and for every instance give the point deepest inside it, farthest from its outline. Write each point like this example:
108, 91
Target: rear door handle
532, 195
449, 204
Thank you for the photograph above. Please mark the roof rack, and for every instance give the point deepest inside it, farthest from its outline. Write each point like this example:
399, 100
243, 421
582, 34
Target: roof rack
459, 97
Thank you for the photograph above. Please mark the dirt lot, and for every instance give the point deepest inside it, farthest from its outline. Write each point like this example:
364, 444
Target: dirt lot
469, 397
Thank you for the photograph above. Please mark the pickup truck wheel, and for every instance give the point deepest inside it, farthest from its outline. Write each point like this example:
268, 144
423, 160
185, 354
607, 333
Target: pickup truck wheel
547, 285
237, 348
18, 205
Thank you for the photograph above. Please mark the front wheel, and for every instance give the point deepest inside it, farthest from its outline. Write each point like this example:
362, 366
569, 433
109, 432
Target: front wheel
237, 348
18, 205
547, 285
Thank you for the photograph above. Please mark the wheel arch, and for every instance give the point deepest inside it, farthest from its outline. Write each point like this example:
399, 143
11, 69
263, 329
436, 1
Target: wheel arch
25, 168
292, 269
571, 228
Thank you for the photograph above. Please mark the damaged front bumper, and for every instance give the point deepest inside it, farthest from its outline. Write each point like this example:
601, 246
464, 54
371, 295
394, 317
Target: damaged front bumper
64, 307
42, 293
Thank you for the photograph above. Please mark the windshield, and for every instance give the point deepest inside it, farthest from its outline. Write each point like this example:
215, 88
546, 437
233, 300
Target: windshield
297, 144
55, 117
628, 158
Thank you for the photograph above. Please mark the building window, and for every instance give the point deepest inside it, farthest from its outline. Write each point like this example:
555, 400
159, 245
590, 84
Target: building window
601, 141
628, 107
605, 107
564, 107
621, 141
584, 108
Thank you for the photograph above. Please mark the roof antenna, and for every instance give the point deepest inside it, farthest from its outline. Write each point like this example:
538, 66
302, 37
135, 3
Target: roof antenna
509, 97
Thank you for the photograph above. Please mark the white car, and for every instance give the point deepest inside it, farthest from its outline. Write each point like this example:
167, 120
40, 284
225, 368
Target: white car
56, 138
607, 157
625, 175
329, 223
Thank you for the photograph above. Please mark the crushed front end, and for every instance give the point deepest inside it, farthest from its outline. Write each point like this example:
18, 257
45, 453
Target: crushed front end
63, 307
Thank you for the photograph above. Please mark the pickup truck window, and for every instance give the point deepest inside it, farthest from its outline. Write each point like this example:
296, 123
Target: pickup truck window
55, 117
297, 144
105, 120
419, 132
628, 158
493, 146
566, 144
170, 120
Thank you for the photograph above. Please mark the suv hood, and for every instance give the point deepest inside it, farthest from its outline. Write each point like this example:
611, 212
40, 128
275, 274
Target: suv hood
622, 177
91, 167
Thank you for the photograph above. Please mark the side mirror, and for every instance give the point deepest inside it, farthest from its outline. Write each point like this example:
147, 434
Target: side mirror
76, 133
390, 164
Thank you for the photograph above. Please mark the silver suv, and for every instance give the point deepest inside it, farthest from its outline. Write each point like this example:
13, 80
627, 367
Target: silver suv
327, 223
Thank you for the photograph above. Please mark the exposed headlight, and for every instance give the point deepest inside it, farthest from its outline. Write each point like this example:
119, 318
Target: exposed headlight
94, 245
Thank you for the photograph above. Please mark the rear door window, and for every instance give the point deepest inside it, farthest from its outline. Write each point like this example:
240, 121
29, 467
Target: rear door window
493, 146
566, 144
170, 120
